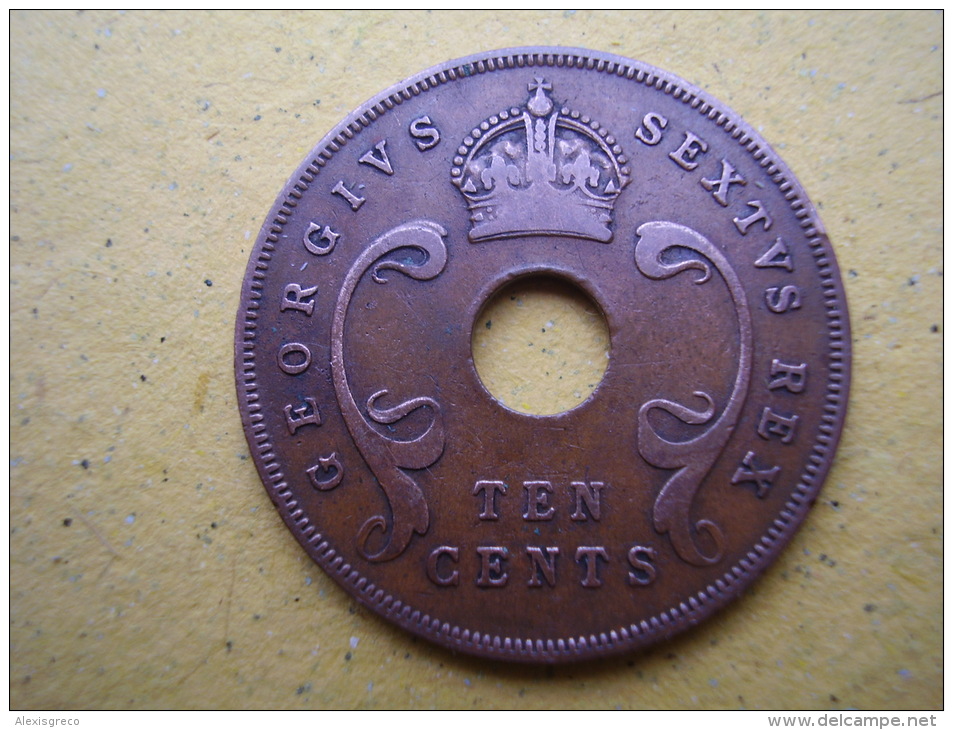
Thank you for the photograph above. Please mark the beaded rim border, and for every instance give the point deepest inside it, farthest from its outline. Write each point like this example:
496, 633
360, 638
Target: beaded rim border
624, 638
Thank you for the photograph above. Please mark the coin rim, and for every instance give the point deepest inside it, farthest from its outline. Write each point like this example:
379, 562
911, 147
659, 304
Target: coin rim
692, 609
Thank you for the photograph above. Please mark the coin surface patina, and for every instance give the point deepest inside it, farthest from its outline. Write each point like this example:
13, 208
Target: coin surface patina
625, 519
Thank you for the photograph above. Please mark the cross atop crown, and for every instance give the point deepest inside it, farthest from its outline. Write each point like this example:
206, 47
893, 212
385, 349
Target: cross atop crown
539, 171
540, 83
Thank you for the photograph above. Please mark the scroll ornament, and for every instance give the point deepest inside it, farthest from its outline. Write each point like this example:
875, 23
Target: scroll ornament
694, 458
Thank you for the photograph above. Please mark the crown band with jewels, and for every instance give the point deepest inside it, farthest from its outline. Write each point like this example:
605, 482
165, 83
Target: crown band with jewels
538, 171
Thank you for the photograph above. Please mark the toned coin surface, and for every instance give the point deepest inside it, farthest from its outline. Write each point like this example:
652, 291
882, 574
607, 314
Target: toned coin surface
631, 515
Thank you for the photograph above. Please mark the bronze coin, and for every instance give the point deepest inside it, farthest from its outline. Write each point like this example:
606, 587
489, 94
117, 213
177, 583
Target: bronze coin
625, 519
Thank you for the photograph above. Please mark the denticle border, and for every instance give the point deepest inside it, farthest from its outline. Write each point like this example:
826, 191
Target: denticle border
686, 613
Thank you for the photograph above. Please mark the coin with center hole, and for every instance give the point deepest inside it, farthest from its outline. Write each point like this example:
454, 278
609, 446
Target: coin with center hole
635, 510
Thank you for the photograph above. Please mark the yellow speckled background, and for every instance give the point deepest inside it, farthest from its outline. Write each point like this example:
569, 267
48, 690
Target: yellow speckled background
148, 568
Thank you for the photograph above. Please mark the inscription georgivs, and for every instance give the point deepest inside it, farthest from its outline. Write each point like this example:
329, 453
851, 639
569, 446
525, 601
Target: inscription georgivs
574, 181
620, 521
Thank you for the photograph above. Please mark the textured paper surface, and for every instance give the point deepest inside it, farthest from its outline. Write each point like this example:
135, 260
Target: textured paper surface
148, 568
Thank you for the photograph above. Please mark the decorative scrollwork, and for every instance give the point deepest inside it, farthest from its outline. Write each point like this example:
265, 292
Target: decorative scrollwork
388, 457
691, 459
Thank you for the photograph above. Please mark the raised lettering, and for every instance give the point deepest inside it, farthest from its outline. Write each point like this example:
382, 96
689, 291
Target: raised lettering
303, 416
643, 572
719, 187
789, 376
540, 564
538, 508
760, 214
424, 133
315, 234
489, 489
327, 465
295, 296
774, 424
689, 150
382, 163
653, 123
354, 200
433, 566
285, 362
590, 557
492, 569
782, 300
763, 479
777, 256
591, 496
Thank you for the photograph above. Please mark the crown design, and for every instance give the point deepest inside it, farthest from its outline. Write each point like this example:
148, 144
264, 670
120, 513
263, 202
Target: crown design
540, 171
